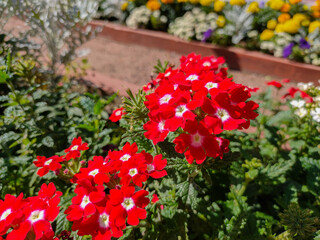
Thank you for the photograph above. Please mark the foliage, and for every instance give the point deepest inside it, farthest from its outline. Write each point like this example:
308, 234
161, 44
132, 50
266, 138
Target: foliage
60, 25
38, 120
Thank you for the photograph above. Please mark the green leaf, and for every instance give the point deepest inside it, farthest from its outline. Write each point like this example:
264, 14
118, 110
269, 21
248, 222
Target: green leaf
188, 193
48, 141
3, 77
98, 108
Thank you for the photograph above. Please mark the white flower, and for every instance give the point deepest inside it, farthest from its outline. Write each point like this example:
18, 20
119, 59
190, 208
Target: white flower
304, 86
315, 114
298, 103
253, 33
301, 112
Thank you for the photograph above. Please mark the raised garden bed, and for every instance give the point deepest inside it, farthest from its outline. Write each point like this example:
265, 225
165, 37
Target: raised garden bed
237, 58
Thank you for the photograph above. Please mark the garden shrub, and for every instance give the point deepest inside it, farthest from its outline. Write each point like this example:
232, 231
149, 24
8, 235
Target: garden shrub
187, 169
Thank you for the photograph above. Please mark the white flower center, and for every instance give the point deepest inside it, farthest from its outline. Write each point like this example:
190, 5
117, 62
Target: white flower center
133, 171
46, 163
36, 216
211, 85
206, 64
117, 113
128, 204
165, 99
104, 220
161, 125
222, 114
167, 74
74, 148
85, 201
150, 168
125, 157
192, 77
196, 140
180, 110
94, 172
5, 214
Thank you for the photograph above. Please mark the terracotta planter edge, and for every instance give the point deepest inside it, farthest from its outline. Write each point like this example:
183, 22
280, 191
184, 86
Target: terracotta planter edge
237, 58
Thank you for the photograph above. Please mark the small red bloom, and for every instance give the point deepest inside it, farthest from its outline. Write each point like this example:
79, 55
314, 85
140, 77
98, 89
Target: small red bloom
117, 114
275, 84
117, 158
128, 204
9, 211
74, 150
154, 198
156, 165
135, 170
46, 164
84, 204
96, 171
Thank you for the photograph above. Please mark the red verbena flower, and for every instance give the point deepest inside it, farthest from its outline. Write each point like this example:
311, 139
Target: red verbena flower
129, 205
117, 114
46, 164
275, 84
74, 150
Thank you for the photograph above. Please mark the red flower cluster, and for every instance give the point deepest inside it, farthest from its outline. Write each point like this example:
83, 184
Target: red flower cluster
31, 216
101, 215
201, 100
54, 163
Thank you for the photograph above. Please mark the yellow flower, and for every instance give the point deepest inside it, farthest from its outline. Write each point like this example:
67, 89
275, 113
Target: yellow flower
254, 7
194, 1
182, 1
206, 3
271, 24
218, 6
221, 21
276, 4
167, 1
299, 17
313, 26
153, 5
291, 26
305, 23
283, 17
279, 28
266, 35
237, 2
294, 1
124, 6
285, 7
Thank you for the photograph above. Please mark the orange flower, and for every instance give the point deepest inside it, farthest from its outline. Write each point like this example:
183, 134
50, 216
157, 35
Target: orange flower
283, 17
167, 1
153, 5
294, 1
285, 8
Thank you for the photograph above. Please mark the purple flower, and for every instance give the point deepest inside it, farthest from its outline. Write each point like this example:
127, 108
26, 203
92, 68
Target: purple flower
288, 50
261, 4
304, 44
207, 35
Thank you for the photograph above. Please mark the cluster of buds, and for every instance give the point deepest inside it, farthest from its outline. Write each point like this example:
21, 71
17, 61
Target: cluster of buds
109, 191
199, 101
